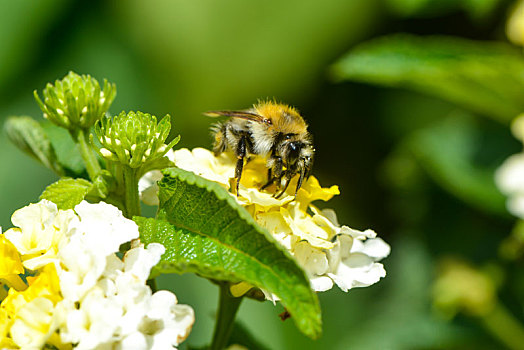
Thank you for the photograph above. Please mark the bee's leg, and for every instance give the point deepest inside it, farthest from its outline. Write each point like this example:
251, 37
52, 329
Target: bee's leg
277, 171
270, 180
274, 172
241, 154
300, 179
287, 180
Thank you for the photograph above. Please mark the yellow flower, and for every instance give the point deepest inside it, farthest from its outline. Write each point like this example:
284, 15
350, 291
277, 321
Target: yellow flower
310, 235
5, 325
10, 265
30, 312
45, 284
31, 328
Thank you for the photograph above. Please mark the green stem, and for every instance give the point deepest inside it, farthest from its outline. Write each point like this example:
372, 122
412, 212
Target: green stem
152, 284
132, 200
227, 309
92, 166
502, 324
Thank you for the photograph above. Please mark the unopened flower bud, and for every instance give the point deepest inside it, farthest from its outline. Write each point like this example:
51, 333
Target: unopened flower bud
135, 138
74, 103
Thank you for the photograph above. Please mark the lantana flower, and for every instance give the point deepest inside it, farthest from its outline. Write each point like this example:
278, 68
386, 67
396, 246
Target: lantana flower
82, 293
328, 252
509, 177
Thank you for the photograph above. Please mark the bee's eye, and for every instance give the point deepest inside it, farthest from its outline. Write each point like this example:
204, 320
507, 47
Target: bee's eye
287, 136
293, 146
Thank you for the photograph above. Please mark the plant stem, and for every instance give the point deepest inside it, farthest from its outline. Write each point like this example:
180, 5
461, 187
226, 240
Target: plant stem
132, 200
152, 284
89, 157
227, 309
502, 324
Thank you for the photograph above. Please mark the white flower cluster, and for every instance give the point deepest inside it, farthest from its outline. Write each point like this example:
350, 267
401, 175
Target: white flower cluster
329, 253
102, 301
510, 176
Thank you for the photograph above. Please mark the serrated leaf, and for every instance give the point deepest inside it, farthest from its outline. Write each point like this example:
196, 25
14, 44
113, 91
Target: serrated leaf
66, 150
67, 192
28, 135
485, 77
205, 231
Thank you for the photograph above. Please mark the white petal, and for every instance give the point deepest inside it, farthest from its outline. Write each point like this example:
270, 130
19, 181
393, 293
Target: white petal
321, 283
80, 268
358, 234
313, 261
331, 215
148, 188
42, 212
510, 176
134, 341
103, 222
515, 205
357, 270
375, 248
139, 261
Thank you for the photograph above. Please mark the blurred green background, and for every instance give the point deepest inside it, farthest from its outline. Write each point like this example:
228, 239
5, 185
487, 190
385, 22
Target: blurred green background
413, 153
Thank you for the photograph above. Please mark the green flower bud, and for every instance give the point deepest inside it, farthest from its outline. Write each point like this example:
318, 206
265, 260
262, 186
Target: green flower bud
76, 102
134, 139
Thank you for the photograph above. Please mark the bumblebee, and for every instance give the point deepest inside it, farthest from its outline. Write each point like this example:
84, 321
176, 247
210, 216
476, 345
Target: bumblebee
271, 130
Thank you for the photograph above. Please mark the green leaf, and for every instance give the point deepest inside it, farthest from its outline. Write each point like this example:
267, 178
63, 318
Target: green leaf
207, 232
66, 150
447, 152
67, 192
28, 135
476, 9
484, 77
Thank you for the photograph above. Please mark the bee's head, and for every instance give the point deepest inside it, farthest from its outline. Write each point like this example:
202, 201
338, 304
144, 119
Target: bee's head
298, 153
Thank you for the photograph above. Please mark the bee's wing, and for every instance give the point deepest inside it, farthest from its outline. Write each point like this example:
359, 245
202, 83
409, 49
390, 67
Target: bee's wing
240, 114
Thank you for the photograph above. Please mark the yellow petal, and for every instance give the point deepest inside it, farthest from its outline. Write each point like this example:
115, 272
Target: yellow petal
10, 262
303, 226
239, 289
45, 284
10, 265
311, 191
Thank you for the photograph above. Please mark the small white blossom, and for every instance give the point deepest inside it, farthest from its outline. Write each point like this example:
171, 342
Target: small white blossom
121, 310
509, 177
39, 229
104, 222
